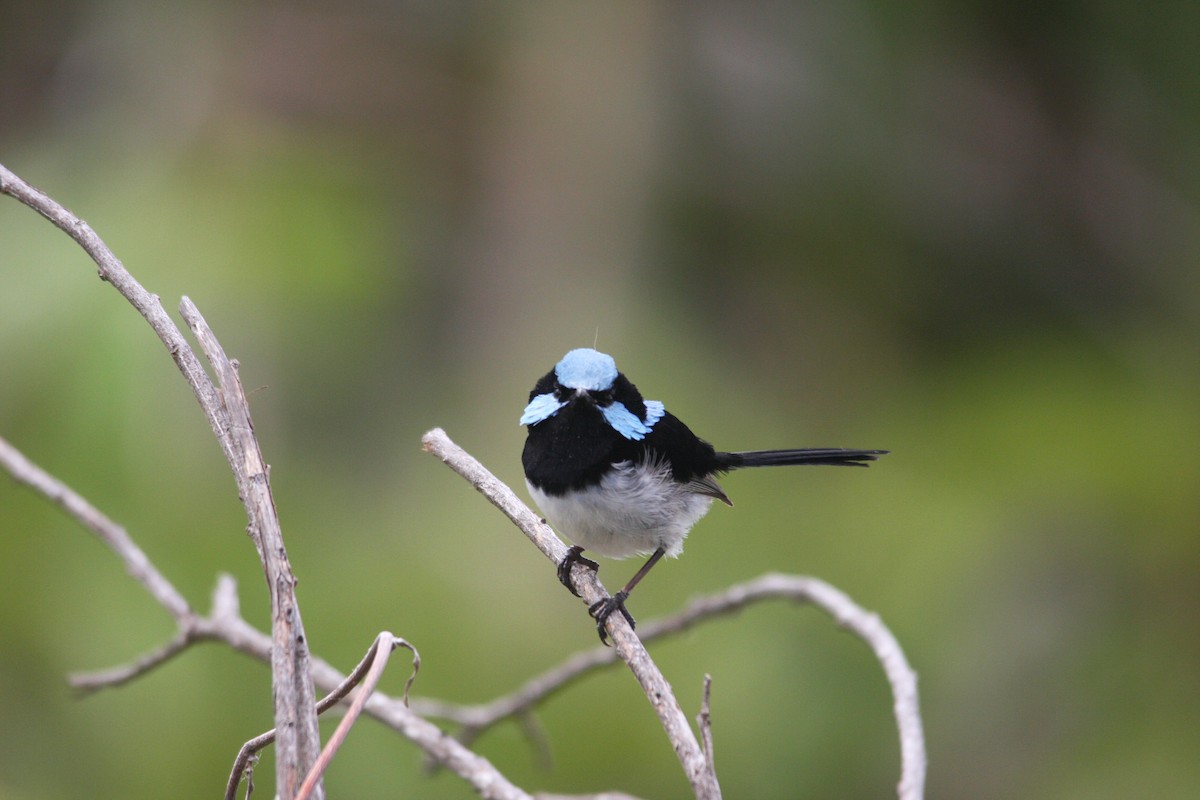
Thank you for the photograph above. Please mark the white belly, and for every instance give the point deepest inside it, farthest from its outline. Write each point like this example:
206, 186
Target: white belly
633, 511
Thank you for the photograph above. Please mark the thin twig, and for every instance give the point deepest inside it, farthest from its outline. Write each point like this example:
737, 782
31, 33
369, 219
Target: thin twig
704, 723
223, 624
86, 683
383, 646
371, 666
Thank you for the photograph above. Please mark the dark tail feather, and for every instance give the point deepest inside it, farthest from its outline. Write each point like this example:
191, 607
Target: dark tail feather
834, 456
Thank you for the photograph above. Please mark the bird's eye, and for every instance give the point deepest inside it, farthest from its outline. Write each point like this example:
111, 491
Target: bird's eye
602, 398
562, 393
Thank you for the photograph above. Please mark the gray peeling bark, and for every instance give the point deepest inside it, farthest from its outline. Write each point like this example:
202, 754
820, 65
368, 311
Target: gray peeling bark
295, 702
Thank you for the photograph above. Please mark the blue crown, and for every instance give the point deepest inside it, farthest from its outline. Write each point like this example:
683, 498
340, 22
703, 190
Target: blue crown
586, 369
589, 370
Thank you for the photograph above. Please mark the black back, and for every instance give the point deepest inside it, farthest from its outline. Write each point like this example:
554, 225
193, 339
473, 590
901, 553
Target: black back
575, 447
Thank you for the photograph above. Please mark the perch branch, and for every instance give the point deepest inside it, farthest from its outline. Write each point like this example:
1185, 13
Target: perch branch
837, 604
625, 641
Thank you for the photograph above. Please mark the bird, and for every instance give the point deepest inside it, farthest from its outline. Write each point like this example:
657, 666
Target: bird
621, 476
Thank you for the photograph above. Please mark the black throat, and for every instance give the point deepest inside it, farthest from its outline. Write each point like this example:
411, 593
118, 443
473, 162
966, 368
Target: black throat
572, 449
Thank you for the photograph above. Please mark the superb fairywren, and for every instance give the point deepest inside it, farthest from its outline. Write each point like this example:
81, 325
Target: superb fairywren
620, 475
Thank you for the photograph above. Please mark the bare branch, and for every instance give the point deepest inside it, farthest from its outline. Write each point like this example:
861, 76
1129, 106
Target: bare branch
229, 416
295, 705
476, 719
225, 624
625, 641
848, 614
837, 604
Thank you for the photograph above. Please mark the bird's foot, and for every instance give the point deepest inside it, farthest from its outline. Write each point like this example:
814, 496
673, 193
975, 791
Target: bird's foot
604, 609
574, 556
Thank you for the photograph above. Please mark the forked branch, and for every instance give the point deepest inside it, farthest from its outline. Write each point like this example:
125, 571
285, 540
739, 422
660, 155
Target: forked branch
229, 416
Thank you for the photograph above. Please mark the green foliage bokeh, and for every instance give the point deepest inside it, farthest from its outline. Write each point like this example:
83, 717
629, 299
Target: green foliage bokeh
966, 234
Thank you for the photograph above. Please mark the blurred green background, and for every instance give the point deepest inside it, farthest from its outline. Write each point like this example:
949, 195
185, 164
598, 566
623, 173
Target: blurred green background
966, 232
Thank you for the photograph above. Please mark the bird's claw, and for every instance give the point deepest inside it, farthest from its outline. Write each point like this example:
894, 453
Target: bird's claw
574, 556
603, 609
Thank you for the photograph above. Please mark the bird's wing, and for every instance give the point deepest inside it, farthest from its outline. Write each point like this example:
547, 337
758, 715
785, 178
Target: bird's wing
707, 485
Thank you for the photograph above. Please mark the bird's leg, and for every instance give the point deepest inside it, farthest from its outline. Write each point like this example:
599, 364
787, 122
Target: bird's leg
603, 609
574, 556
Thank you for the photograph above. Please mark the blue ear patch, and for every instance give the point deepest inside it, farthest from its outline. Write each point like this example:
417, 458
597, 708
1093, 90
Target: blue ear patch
586, 369
626, 423
654, 412
540, 409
